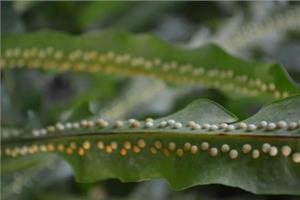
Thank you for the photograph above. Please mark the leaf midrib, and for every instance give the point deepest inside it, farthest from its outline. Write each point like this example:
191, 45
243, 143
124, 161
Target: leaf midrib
154, 134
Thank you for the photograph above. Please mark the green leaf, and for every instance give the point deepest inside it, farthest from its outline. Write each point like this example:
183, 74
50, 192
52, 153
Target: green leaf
99, 11
22, 162
123, 53
261, 158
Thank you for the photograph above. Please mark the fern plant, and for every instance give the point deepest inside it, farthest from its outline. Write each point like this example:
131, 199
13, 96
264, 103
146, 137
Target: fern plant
201, 144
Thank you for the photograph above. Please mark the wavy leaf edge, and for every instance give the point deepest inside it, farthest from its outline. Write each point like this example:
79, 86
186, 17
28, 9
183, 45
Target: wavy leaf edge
183, 143
145, 54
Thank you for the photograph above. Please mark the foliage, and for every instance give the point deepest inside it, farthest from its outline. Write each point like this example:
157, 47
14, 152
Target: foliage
206, 143
146, 55
94, 106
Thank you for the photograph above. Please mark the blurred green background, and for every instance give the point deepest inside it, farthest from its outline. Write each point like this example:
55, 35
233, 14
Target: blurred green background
31, 98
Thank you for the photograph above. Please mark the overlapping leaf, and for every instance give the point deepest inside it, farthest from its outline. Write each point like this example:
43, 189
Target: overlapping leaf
259, 158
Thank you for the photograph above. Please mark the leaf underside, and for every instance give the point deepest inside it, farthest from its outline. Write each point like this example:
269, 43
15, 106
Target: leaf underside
123, 53
124, 157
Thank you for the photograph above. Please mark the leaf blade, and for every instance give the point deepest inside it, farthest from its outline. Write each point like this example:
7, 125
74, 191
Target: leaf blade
268, 173
122, 53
